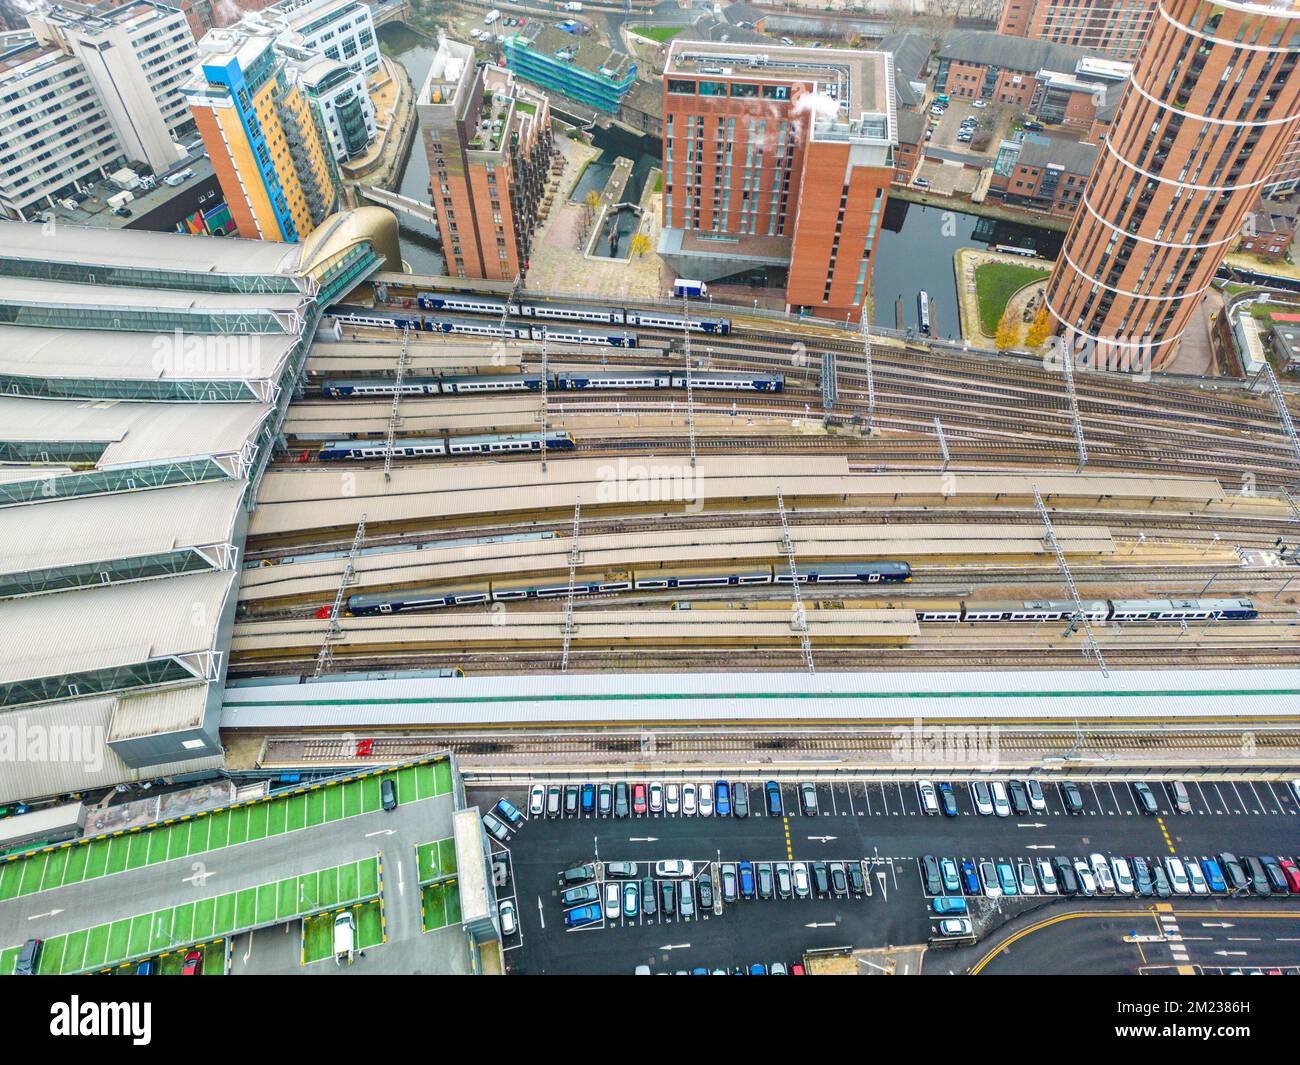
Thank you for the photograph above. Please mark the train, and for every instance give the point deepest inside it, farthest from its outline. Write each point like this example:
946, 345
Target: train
1097, 610
923, 311
499, 328
405, 600
561, 382
570, 312
421, 447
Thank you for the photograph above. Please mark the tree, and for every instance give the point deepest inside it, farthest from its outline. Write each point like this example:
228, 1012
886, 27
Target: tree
1039, 329
640, 244
1008, 332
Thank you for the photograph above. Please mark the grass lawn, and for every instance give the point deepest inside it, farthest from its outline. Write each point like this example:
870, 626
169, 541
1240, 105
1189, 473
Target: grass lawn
995, 283
657, 33
659, 182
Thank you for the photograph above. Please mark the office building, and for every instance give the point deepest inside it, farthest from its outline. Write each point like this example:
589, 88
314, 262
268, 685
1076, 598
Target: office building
1212, 105
567, 62
777, 161
266, 143
488, 141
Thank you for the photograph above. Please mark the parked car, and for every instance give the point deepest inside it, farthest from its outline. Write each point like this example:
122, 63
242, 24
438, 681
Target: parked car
784, 880
1160, 881
1065, 875
674, 868
949, 875
840, 879
639, 800
583, 915
928, 796
621, 870
1025, 878
808, 799
970, 878
672, 799
621, 806
510, 812
605, 800
1101, 871
688, 800
955, 926
686, 898
1276, 878
1123, 876
1214, 876
773, 791
1007, 878
740, 799
705, 799
1145, 798
193, 964
580, 895
1292, 873
947, 800
947, 904
537, 801
705, 888
496, 829
388, 795
649, 902
989, 878
587, 802
763, 872
930, 875
613, 901
1233, 872
980, 797
1019, 797
1177, 874
1001, 806
1037, 800
553, 801
571, 800
1179, 796
979, 103
730, 882
722, 798
1142, 882
508, 918
1082, 873
1046, 876
857, 882
821, 880
656, 797
1072, 797
668, 897
577, 874
746, 870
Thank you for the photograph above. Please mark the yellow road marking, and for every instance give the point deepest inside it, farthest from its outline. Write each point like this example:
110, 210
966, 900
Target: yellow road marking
789, 850
1165, 832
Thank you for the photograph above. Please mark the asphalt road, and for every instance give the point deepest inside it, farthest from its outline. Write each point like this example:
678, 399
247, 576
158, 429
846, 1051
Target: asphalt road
880, 822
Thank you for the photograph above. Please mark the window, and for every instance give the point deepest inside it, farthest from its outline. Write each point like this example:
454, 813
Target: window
743, 89
776, 92
678, 87
713, 88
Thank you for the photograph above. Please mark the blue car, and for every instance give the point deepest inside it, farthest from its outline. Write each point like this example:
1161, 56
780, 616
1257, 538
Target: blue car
1214, 876
145, 968
583, 915
722, 798
947, 905
1007, 879
758, 969
588, 798
970, 879
947, 800
773, 790
747, 880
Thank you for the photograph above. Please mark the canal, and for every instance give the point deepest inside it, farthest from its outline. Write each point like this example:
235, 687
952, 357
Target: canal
915, 252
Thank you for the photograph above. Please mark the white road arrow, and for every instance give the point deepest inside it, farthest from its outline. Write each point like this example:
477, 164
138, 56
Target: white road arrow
1040, 846
38, 916
822, 839
1216, 924
1033, 824
381, 832
1230, 953
540, 913
674, 946
820, 924
643, 839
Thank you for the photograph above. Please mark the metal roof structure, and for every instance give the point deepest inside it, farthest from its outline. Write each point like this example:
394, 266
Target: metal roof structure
701, 698
144, 379
103, 364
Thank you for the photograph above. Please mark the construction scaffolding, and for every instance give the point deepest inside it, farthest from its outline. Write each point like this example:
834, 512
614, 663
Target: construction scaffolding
394, 417
334, 632
1080, 615
800, 617
568, 599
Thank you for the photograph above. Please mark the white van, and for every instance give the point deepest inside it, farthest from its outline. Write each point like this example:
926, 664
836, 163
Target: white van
345, 937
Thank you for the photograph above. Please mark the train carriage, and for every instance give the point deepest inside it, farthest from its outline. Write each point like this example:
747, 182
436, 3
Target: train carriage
436, 301
578, 380
568, 312
847, 573
732, 382
471, 383
378, 386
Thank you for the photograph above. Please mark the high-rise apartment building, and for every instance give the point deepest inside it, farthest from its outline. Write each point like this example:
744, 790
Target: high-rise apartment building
1212, 105
488, 141
778, 159
85, 91
1117, 28
265, 141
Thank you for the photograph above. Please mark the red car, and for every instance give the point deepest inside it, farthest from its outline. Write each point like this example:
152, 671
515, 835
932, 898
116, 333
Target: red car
638, 800
1291, 873
193, 964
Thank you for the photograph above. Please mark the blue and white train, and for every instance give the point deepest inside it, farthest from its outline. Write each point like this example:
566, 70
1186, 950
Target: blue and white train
570, 312
487, 327
422, 447
562, 382
1097, 610
413, 599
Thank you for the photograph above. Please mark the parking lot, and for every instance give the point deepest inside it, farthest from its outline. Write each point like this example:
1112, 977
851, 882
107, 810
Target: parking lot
877, 824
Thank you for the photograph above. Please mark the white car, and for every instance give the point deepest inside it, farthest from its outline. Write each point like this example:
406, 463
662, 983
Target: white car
955, 926
928, 796
613, 901
688, 800
800, 870
537, 801
1178, 877
1295, 789
1087, 882
980, 797
979, 103
509, 923
989, 878
1037, 801
656, 797
1101, 870
674, 868
1025, 878
672, 799
1047, 877
1123, 876
1000, 805
706, 800
1199, 884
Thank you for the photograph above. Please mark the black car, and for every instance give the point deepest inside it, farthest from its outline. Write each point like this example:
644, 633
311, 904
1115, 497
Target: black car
668, 896
621, 808
856, 883
1233, 873
1258, 877
25, 963
1073, 797
571, 800
821, 880
1142, 881
930, 875
739, 799
1276, 878
1065, 876
388, 794
839, 879
649, 901
1146, 798
1018, 796
764, 870
577, 874
705, 888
